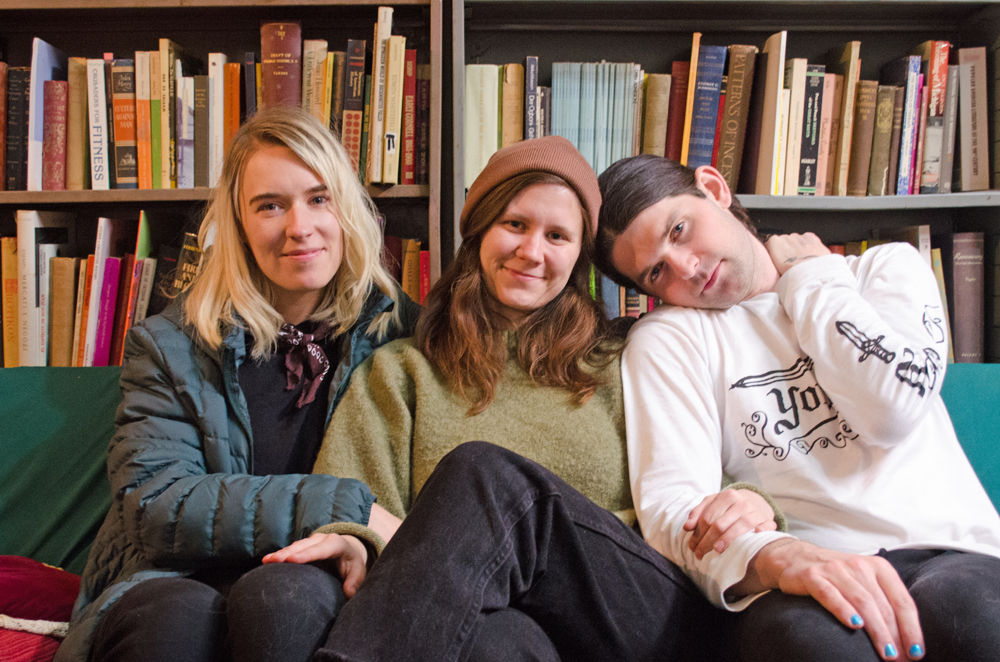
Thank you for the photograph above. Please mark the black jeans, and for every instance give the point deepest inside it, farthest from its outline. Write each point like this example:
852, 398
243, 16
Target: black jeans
957, 595
493, 531
274, 613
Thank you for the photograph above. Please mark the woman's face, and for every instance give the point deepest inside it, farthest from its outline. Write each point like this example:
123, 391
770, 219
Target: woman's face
528, 254
292, 229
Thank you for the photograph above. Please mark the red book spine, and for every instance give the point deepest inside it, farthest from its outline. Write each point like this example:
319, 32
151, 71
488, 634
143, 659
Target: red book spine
409, 160
281, 63
425, 274
718, 124
106, 314
677, 109
55, 101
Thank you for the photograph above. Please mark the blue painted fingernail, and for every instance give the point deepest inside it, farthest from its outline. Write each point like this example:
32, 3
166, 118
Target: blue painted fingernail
890, 650
916, 650
857, 621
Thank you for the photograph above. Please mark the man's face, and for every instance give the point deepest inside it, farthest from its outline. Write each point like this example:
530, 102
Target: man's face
691, 252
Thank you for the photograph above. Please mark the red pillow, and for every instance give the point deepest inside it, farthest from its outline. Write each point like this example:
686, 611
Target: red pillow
26, 647
35, 591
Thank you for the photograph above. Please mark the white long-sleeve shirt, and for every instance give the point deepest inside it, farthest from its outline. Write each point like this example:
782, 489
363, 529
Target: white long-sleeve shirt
825, 393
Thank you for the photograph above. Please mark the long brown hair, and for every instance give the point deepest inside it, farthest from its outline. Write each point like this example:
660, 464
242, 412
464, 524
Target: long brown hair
463, 332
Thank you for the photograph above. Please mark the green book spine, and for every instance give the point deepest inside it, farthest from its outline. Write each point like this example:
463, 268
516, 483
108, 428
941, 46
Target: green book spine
363, 160
156, 142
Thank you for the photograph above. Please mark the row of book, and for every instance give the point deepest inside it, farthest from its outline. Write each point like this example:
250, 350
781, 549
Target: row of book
62, 310
772, 125
158, 120
959, 260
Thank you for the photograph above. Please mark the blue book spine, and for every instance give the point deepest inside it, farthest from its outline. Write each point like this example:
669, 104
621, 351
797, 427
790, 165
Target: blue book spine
705, 113
588, 107
610, 295
530, 97
908, 134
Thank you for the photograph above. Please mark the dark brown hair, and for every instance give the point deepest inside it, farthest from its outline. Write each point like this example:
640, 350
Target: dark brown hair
630, 186
463, 332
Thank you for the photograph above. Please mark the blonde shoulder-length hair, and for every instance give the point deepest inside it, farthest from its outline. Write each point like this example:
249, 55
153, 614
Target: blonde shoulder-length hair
232, 290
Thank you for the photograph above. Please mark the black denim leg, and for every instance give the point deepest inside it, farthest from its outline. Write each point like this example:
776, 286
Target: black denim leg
509, 634
491, 529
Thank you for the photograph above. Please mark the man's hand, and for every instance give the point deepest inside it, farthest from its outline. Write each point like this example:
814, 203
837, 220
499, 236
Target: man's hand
861, 591
787, 250
347, 553
723, 517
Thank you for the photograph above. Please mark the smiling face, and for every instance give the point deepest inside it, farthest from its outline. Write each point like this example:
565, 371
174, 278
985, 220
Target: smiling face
528, 254
693, 252
291, 228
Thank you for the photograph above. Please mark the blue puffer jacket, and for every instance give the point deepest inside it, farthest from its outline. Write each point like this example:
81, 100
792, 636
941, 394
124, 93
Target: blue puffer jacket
180, 467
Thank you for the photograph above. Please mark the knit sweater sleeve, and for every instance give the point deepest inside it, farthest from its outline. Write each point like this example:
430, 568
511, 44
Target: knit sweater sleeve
371, 433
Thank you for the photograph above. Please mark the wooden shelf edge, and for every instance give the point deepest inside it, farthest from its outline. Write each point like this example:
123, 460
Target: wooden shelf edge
165, 195
872, 202
187, 4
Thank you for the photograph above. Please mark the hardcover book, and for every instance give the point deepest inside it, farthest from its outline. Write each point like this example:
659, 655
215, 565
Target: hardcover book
904, 72
123, 101
689, 101
202, 131
530, 97
967, 288
934, 65
825, 134
739, 88
795, 83
47, 63
281, 63
861, 142
878, 170
155, 123
62, 291
481, 90
376, 124
764, 123
899, 101
354, 99
54, 135
393, 113
809, 146
3, 125
949, 129
16, 162
657, 101
143, 124
408, 163
424, 123
77, 157
9, 300
845, 61
216, 115
512, 97
337, 64
972, 121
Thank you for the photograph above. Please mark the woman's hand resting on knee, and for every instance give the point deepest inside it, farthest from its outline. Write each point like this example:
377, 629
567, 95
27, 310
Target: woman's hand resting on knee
723, 517
347, 553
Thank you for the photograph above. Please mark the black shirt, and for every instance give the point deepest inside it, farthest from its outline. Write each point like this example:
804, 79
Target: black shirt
286, 439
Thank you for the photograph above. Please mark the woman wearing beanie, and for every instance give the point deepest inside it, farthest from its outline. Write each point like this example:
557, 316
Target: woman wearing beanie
520, 548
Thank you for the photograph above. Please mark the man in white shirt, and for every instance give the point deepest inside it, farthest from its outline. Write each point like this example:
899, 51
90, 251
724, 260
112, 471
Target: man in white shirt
816, 377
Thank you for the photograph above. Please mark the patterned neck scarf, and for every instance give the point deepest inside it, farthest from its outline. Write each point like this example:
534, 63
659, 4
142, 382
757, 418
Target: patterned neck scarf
305, 360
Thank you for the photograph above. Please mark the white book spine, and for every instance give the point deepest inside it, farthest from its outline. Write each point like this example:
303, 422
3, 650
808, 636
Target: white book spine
166, 70
102, 249
216, 119
47, 63
145, 289
383, 31
45, 254
97, 123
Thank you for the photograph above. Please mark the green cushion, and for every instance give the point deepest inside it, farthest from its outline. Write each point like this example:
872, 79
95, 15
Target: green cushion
55, 424
971, 392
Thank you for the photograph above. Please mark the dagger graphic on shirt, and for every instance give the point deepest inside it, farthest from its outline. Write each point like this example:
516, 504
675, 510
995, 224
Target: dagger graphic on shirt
868, 346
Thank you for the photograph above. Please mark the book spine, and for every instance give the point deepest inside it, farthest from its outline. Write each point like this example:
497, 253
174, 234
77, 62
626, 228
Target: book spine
811, 121
110, 112
216, 99
185, 132
123, 102
654, 128
424, 124
81, 304
98, 126
409, 160
18, 83
899, 101
949, 129
739, 87
530, 97
9, 300
718, 121
689, 102
411, 268
795, 83
512, 124
231, 108
123, 300
846, 64
973, 122
155, 123
3, 126
202, 131
54, 135
338, 91
878, 170
711, 62
281, 63
145, 289
393, 112
365, 147
143, 124
77, 159
376, 127
861, 142
354, 100
43, 285
250, 83
675, 115
910, 119
188, 263
425, 274
967, 275
825, 134
168, 115
916, 181
62, 290
86, 341
106, 311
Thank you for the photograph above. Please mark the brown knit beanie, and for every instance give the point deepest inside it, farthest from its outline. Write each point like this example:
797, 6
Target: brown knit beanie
552, 154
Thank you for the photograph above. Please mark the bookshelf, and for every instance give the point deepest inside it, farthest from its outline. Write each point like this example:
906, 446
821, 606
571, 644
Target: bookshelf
89, 28
657, 32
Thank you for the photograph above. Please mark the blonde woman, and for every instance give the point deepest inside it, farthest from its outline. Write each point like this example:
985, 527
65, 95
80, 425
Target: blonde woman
225, 399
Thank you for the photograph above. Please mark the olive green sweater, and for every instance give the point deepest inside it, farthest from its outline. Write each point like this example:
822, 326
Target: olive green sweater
399, 418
